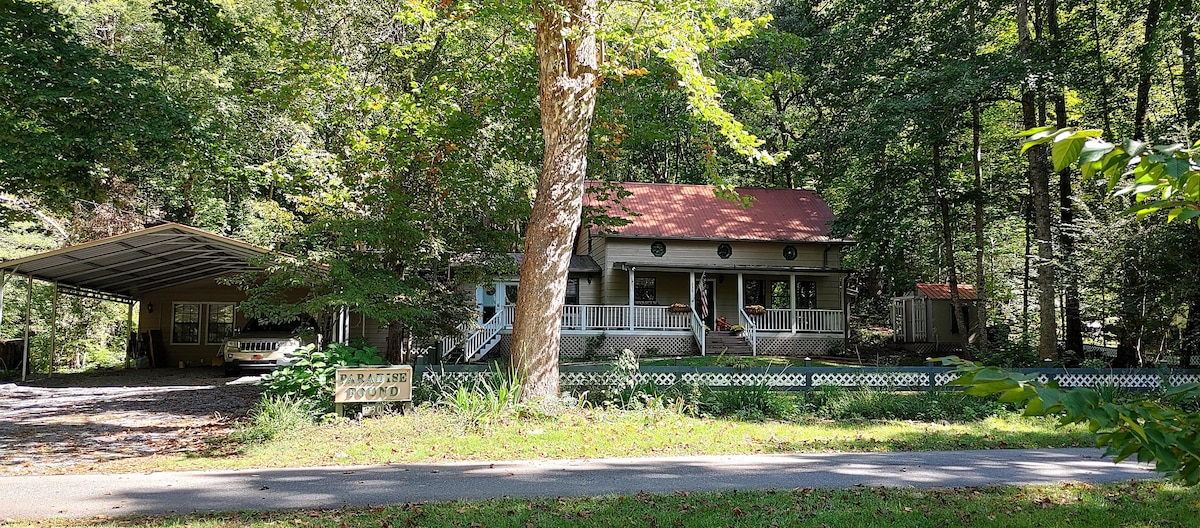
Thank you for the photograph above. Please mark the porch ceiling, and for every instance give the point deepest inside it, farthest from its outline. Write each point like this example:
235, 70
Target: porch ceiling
126, 266
658, 266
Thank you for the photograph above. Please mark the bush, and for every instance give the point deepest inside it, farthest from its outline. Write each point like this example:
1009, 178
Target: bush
880, 404
749, 402
275, 416
310, 377
1009, 354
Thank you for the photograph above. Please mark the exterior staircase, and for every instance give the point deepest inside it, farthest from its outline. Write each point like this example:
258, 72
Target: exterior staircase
717, 343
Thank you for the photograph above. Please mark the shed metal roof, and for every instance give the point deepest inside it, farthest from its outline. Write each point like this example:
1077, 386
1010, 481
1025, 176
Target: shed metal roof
966, 292
128, 265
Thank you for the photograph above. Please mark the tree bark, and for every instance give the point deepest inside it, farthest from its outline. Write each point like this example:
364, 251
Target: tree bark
567, 76
1039, 193
1191, 332
1145, 70
964, 333
1072, 318
1187, 51
981, 342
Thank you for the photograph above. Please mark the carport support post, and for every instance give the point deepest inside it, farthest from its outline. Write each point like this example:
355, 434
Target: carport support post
128, 332
28, 304
53, 329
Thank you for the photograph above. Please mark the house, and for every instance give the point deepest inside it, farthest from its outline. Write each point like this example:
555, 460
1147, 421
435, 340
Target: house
923, 320
686, 261
169, 273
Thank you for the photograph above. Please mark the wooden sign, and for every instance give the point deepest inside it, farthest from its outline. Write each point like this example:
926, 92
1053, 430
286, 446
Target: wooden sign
373, 384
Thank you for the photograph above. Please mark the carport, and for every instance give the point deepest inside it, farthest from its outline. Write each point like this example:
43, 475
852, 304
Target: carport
124, 268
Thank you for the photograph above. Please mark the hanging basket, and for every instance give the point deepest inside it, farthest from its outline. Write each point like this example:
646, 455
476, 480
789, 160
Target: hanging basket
679, 308
755, 309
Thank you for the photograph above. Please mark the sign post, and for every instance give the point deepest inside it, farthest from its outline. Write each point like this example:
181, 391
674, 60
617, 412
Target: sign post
372, 385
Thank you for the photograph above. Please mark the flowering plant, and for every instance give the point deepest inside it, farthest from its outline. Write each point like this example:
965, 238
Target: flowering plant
755, 309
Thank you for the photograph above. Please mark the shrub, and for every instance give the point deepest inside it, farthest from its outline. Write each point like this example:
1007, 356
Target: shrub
882, 404
310, 377
1009, 354
749, 402
275, 416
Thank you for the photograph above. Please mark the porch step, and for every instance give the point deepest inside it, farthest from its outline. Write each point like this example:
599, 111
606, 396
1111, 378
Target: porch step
723, 343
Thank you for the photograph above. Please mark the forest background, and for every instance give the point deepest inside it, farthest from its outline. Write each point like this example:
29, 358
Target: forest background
382, 140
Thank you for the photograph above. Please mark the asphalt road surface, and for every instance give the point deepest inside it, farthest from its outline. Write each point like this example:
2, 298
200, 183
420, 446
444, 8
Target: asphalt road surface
86, 495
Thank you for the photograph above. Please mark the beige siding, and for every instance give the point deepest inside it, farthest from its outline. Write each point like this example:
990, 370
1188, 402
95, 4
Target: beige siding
374, 332
203, 292
700, 253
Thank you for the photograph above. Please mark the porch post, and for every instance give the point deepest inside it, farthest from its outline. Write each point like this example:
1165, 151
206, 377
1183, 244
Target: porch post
53, 329
479, 303
691, 289
28, 304
792, 300
741, 293
4, 276
630, 315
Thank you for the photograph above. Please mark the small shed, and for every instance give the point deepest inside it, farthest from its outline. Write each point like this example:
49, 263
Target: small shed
927, 316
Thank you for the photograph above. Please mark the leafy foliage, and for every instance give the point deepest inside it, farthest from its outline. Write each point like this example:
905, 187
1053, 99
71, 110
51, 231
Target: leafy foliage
310, 377
1165, 431
1159, 177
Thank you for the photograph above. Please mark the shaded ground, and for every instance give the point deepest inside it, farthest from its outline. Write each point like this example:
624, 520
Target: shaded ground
68, 422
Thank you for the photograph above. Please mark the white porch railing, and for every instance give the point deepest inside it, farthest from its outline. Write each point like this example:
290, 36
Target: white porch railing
825, 321
750, 330
620, 317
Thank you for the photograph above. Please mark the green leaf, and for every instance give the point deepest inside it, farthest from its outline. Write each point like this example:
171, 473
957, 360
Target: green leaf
1177, 167
1094, 150
1066, 152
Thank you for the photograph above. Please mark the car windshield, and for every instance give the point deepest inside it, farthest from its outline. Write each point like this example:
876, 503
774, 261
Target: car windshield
254, 325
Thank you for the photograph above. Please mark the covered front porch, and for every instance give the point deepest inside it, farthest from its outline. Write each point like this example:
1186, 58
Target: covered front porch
780, 306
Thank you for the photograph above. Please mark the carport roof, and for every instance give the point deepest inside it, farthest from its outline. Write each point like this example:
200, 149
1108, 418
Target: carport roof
126, 266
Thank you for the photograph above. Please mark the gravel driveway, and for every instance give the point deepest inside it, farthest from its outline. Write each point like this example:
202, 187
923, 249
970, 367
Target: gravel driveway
68, 422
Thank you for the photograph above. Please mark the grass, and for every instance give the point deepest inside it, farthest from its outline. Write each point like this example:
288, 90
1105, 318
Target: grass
1133, 504
430, 435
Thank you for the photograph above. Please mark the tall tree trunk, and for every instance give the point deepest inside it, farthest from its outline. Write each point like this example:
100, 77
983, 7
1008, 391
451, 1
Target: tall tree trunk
1146, 60
1187, 50
1191, 332
1039, 193
1100, 46
1072, 318
567, 67
981, 342
964, 333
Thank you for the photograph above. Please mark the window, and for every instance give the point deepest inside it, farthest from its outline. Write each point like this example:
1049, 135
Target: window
510, 294
658, 248
185, 323
644, 290
220, 323
724, 251
572, 291
753, 293
779, 295
806, 295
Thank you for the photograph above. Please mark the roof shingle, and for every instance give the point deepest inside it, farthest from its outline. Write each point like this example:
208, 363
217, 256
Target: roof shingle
693, 212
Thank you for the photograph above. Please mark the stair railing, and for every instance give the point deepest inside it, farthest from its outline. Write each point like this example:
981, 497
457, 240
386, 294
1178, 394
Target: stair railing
749, 330
476, 346
698, 330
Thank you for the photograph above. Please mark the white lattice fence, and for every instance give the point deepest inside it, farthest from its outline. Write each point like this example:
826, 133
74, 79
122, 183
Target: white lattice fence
1128, 381
870, 379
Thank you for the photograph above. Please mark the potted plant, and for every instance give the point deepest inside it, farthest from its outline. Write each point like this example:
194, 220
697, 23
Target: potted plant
680, 308
755, 309
736, 330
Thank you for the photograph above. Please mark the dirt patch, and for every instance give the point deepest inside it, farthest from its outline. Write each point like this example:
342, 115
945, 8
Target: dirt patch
66, 423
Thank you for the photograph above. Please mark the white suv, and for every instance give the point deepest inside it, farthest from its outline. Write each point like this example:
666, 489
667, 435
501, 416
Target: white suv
265, 346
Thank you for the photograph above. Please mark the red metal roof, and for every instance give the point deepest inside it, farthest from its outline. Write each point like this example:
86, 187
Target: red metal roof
966, 292
692, 211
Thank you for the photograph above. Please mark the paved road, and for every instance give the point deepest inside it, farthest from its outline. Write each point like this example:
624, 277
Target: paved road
334, 487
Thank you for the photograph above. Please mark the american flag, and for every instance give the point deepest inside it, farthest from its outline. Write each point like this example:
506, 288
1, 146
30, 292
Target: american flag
703, 299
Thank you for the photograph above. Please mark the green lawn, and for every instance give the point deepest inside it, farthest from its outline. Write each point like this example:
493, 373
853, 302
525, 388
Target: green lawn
428, 435
1135, 504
